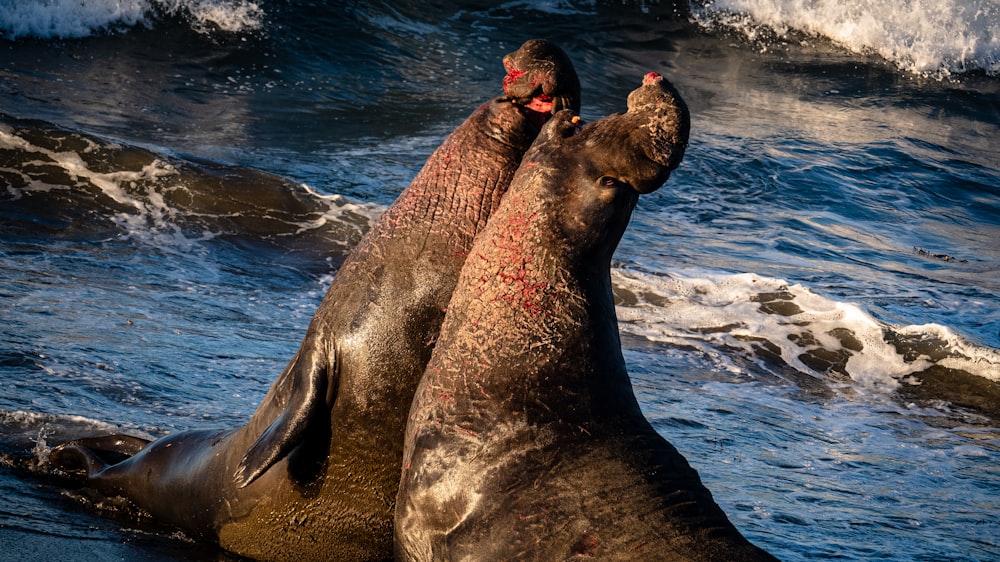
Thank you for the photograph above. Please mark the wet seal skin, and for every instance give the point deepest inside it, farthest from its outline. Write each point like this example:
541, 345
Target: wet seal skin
314, 473
525, 440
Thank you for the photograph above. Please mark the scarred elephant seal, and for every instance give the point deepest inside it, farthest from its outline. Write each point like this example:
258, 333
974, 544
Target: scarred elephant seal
313, 475
525, 440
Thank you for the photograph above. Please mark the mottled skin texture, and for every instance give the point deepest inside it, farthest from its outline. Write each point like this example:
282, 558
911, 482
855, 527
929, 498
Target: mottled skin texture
313, 475
525, 440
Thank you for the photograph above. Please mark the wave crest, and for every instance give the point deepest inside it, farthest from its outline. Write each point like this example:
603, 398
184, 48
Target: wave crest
68, 19
929, 38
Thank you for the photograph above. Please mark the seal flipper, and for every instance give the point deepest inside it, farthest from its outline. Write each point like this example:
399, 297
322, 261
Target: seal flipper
307, 402
79, 461
88, 456
113, 444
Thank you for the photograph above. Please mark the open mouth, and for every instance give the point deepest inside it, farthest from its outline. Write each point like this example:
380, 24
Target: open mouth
541, 103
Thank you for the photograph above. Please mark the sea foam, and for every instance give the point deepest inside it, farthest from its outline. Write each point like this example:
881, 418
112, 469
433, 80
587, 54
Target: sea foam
171, 203
73, 19
937, 38
775, 324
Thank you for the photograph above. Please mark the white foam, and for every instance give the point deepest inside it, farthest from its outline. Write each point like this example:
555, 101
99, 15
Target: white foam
31, 420
717, 314
340, 211
233, 16
73, 18
74, 166
929, 37
962, 355
152, 218
143, 209
68, 18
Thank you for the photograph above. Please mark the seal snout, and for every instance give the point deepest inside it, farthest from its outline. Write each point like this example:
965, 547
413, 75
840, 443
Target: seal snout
663, 123
541, 77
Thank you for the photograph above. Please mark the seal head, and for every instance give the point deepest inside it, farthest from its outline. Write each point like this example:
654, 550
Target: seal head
541, 77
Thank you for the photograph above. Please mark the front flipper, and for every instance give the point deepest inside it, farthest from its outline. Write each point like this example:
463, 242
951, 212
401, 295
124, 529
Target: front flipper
83, 458
308, 403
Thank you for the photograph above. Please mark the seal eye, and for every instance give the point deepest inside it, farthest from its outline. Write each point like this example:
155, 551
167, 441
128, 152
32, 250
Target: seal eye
608, 181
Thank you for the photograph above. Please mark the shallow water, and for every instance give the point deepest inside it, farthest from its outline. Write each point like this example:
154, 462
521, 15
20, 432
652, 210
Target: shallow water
809, 307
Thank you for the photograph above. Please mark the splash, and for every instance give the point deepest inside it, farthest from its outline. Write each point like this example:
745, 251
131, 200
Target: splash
930, 38
225, 15
29, 434
73, 19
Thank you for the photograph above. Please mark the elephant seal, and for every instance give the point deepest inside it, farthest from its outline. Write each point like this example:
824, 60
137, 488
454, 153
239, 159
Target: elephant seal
313, 475
525, 440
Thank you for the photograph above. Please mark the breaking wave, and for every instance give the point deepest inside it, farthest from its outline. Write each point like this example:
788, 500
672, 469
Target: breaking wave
72, 18
930, 38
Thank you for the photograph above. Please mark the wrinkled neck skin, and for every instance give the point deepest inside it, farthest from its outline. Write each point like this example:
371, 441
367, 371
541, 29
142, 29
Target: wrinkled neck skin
372, 336
528, 362
458, 188
400, 277
556, 310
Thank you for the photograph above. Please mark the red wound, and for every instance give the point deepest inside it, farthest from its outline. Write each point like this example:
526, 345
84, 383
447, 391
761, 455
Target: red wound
513, 75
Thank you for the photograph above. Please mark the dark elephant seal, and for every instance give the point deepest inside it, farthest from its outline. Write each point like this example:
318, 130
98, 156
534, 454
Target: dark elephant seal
525, 440
313, 475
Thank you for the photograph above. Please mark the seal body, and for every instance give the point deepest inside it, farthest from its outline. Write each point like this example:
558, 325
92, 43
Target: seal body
314, 473
525, 440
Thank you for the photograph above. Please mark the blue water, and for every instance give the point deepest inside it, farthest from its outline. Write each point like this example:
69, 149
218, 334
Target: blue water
810, 308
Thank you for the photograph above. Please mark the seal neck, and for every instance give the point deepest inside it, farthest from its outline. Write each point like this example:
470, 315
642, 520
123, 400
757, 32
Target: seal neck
463, 181
527, 314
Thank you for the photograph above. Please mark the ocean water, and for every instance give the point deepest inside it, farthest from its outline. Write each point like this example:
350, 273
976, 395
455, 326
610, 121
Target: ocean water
810, 308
